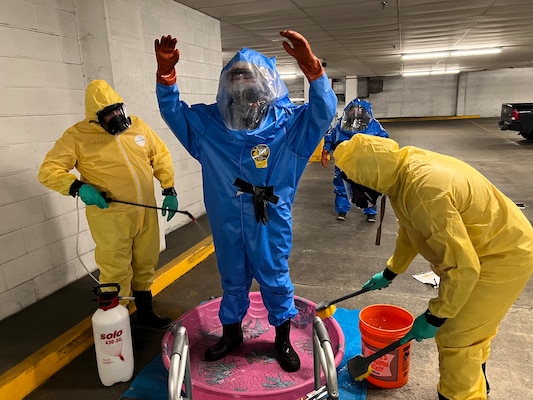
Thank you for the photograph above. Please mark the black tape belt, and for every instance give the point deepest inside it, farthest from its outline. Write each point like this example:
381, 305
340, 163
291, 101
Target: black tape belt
261, 195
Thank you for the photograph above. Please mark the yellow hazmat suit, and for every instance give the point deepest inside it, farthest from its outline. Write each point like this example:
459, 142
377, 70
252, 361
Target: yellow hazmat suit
123, 166
478, 241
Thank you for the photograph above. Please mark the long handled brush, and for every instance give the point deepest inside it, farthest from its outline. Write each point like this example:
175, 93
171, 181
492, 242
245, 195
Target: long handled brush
360, 366
326, 308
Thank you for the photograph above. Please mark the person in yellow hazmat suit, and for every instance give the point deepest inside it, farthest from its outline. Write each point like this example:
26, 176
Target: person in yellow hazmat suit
478, 241
119, 155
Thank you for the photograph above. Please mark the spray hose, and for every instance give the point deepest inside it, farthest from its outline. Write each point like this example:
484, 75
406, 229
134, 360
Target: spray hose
187, 213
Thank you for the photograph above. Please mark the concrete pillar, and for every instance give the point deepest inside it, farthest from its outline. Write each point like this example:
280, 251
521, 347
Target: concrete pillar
350, 88
306, 89
461, 94
92, 23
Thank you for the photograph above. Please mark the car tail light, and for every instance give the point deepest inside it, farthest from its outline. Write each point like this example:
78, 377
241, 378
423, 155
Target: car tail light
515, 115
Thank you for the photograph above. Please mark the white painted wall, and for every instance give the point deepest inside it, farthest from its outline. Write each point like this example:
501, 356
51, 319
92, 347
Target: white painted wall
49, 52
487, 90
469, 93
415, 97
351, 85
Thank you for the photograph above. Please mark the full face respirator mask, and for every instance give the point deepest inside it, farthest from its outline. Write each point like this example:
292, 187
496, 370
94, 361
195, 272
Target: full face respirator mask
355, 119
114, 118
247, 101
247, 107
360, 195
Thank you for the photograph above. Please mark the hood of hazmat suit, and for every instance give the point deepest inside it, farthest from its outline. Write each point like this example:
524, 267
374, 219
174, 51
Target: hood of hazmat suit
249, 86
447, 212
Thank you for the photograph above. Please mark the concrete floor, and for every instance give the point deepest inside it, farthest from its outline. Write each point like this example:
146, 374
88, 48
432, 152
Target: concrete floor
332, 258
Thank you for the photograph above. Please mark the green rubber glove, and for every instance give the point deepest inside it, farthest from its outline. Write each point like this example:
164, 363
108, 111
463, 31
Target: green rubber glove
421, 330
92, 197
378, 281
170, 204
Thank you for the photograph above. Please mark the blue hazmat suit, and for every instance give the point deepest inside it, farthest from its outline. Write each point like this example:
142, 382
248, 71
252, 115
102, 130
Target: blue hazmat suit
268, 155
477, 240
347, 126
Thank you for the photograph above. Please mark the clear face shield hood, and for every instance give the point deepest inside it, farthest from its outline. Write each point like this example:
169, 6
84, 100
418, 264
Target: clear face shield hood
245, 93
355, 119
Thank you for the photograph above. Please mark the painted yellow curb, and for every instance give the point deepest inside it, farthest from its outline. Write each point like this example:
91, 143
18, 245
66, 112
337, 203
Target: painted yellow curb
29, 374
167, 274
443, 118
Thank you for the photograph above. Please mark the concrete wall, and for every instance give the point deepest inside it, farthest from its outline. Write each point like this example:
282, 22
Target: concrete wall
414, 96
487, 90
469, 93
49, 52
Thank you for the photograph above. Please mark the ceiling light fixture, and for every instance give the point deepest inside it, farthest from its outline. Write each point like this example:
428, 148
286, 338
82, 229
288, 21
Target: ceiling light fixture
425, 56
434, 72
415, 73
454, 53
478, 52
288, 76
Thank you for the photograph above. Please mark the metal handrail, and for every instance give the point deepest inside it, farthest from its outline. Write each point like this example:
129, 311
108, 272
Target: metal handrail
324, 360
180, 367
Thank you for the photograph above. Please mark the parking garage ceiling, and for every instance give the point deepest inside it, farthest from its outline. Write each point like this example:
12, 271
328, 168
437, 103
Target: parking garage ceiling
367, 38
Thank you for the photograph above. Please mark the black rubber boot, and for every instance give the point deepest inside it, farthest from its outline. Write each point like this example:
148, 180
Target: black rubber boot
145, 315
232, 338
441, 397
287, 357
483, 367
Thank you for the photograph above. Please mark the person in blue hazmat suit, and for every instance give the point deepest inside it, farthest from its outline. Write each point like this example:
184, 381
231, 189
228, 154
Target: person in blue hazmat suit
253, 145
477, 240
356, 118
120, 155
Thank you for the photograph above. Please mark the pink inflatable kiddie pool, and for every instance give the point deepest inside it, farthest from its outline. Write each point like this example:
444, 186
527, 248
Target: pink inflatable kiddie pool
251, 371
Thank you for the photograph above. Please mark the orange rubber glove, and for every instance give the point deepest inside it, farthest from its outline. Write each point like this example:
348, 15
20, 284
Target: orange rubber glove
325, 158
167, 57
308, 62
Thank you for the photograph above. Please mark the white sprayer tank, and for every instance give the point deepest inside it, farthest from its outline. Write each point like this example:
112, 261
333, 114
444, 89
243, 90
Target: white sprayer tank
112, 337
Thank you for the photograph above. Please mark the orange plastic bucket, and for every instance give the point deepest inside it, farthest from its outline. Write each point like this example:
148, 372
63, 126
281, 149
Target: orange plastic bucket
380, 325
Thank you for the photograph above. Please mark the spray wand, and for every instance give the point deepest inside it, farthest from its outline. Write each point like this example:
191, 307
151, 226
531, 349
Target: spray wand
107, 199
187, 213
